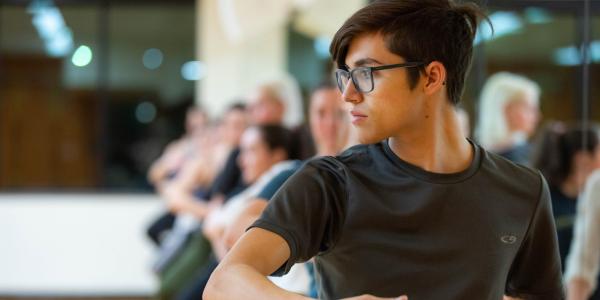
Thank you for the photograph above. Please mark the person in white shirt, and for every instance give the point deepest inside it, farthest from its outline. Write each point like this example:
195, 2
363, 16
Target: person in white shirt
584, 259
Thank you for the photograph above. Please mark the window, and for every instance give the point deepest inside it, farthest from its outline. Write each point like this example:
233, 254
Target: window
92, 91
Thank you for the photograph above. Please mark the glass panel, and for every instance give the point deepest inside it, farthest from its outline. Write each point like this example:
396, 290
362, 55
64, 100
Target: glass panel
90, 94
521, 44
47, 119
595, 68
149, 46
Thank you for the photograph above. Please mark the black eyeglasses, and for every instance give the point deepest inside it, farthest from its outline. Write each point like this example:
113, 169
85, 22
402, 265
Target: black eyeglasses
362, 77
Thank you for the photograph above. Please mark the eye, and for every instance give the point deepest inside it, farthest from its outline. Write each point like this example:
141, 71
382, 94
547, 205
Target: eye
364, 73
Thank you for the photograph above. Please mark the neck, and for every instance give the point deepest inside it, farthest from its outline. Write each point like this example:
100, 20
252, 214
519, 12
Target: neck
436, 144
329, 148
327, 151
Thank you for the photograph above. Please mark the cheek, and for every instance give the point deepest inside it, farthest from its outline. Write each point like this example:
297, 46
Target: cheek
249, 161
315, 127
393, 110
528, 115
261, 161
329, 125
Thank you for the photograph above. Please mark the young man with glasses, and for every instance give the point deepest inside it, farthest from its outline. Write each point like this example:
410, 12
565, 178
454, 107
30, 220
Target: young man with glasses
418, 210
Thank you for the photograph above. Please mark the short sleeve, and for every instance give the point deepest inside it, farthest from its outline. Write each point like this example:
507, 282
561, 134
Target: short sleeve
307, 212
536, 271
269, 190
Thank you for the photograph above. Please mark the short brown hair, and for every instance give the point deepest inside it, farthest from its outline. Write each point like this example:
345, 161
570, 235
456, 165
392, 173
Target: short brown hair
418, 30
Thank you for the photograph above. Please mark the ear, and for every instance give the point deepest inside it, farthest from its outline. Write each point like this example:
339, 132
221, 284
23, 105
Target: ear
435, 78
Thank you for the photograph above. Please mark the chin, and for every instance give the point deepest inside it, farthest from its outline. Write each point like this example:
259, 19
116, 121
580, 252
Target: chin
247, 179
365, 138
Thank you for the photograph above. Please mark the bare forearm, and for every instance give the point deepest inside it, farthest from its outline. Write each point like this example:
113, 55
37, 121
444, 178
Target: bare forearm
244, 282
578, 289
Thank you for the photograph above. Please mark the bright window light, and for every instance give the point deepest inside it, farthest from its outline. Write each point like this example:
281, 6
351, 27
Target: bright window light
504, 23
536, 15
82, 56
193, 70
567, 56
321, 45
595, 51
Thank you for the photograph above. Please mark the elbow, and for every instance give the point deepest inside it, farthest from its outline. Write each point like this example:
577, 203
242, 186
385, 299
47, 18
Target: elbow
212, 289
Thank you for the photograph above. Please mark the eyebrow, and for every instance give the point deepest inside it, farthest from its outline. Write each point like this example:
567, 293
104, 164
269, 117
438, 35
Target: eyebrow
366, 61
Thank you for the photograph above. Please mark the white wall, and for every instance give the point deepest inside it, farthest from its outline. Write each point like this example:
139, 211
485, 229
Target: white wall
76, 244
243, 43
237, 65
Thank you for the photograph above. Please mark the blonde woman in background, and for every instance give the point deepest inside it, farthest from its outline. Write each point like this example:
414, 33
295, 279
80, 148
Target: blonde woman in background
508, 115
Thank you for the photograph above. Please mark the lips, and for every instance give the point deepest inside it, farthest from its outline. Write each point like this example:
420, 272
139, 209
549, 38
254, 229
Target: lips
357, 117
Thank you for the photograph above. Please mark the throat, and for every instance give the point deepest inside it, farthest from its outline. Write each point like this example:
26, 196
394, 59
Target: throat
436, 158
438, 147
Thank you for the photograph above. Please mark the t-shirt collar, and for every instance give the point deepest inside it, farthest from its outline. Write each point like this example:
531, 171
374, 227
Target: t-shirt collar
441, 178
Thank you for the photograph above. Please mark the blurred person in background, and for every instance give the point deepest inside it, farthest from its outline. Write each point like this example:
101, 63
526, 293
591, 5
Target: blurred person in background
328, 120
566, 161
583, 260
330, 129
206, 155
329, 126
265, 153
266, 105
263, 147
171, 162
182, 194
177, 264
508, 115
190, 203
176, 153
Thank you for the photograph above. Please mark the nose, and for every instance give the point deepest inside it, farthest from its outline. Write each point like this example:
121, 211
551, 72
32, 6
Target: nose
351, 94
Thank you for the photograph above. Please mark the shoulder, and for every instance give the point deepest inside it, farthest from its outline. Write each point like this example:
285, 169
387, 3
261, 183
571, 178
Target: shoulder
593, 183
350, 158
288, 170
512, 176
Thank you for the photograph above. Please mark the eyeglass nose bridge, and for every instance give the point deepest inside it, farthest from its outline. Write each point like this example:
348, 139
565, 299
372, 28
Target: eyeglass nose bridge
350, 82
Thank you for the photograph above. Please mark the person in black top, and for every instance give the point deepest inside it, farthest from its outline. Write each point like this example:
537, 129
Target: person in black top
567, 155
417, 211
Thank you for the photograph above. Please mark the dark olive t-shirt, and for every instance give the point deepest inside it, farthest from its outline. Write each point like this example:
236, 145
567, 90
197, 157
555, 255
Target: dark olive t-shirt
378, 225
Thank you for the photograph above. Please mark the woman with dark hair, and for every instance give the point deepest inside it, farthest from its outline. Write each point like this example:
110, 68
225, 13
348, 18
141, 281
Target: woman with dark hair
567, 155
265, 151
